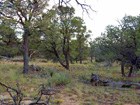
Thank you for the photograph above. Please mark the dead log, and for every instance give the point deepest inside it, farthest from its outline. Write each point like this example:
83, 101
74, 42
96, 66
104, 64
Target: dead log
96, 81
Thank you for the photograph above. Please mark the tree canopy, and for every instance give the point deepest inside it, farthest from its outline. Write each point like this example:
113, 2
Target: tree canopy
119, 43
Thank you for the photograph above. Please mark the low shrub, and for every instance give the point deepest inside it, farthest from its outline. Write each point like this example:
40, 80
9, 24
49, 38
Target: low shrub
59, 79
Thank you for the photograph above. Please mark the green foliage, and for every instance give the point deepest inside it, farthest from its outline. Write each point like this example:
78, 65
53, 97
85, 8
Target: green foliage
8, 41
58, 27
79, 47
25, 14
117, 40
59, 79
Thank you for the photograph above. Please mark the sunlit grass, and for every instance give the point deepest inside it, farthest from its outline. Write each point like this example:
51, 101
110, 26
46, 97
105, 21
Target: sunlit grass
75, 82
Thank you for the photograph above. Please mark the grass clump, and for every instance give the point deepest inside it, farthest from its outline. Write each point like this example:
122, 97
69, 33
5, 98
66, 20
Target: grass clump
59, 79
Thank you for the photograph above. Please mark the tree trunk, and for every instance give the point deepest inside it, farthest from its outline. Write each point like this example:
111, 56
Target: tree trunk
122, 69
67, 61
130, 71
81, 60
76, 60
66, 49
67, 54
133, 67
91, 59
58, 57
80, 56
25, 51
80, 51
71, 60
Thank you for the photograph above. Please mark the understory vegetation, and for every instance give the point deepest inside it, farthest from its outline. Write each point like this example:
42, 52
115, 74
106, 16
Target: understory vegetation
48, 56
73, 86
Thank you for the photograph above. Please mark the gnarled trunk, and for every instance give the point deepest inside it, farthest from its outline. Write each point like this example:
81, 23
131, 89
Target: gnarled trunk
64, 64
67, 54
91, 59
133, 67
122, 69
130, 71
25, 51
80, 59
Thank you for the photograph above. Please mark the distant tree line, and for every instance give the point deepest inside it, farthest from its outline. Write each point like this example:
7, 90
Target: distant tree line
120, 43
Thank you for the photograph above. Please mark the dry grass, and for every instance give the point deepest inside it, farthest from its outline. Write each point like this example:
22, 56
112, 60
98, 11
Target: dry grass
77, 91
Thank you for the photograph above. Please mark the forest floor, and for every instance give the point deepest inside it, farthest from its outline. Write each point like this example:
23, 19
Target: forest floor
73, 87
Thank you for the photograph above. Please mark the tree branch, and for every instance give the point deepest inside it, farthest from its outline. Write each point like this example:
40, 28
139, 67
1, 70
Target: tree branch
17, 96
9, 17
20, 18
7, 87
84, 6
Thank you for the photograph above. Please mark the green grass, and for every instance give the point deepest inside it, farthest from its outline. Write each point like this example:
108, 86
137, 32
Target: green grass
74, 84
59, 79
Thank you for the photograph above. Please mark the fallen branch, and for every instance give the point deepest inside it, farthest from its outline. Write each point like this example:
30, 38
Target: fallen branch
15, 94
96, 81
46, 92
